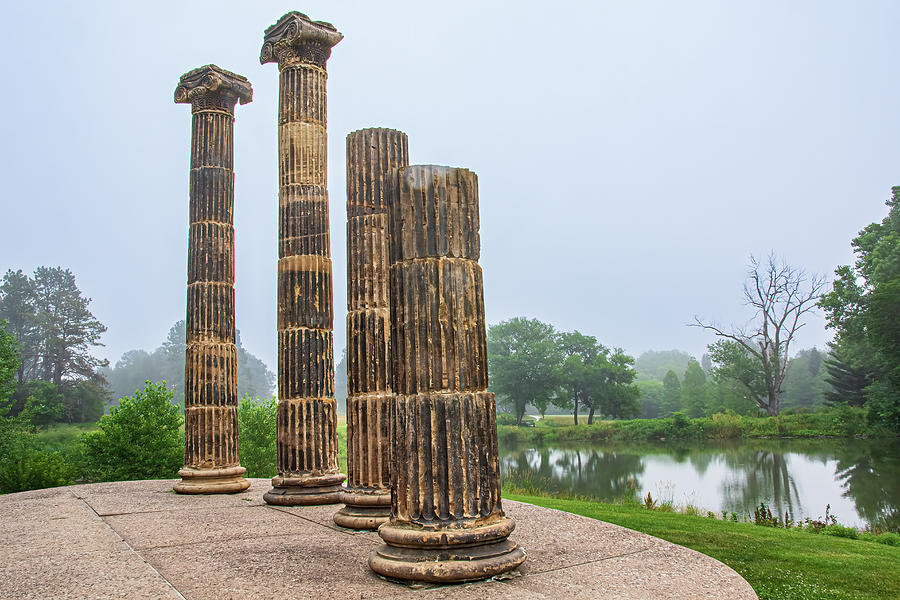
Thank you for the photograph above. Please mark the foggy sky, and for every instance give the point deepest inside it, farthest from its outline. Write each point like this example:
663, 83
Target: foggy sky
631, 155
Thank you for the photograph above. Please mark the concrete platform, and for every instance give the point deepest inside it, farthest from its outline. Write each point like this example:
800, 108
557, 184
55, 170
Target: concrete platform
138, 539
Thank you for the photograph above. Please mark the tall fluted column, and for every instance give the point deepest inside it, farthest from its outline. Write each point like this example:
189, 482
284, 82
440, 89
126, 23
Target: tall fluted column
371, 153
447, 523
306, 433
211, 462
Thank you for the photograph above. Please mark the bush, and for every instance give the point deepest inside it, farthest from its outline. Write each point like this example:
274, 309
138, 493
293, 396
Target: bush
841, 531
505, 419
725, 426
139, 439
25, 464
256, 441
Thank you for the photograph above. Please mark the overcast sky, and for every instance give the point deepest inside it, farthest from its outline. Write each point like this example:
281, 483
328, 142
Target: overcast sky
631, 155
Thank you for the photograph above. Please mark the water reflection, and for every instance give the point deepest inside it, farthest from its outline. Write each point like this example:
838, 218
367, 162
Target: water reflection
860, 479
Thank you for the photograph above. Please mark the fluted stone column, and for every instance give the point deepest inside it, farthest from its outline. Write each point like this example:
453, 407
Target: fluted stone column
371, 153
306, 433
447, 523
211, 462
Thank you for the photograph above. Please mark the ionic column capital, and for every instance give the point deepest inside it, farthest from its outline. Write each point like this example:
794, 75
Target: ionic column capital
297, 39
212, 88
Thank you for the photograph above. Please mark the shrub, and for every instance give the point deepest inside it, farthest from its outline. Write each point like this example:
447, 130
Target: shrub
725, 426
841, 531
25, 464
139, 439
256, 441
505, 419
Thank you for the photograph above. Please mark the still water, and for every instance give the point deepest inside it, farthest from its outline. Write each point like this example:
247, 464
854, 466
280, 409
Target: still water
859, 479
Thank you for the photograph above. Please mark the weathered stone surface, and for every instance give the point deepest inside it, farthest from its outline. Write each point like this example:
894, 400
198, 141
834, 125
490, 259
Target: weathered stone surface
308, 471
136, 539
211, 462
371, 153
447, 523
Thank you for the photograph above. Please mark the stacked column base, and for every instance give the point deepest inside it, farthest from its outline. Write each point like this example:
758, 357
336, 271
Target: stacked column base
364, 508
305, 491
226, 480
446, 555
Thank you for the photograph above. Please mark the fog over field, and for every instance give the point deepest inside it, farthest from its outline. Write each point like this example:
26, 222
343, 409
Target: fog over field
631, 154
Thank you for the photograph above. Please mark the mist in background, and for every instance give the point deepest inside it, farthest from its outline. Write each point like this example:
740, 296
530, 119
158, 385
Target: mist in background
631, 155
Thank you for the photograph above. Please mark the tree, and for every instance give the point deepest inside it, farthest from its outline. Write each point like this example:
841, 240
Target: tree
9, 363
671, 397
863, 308
757, 355
693, 390
651, 398
18, 310
524, 359
256, 420
654, 364
67, 327
618, 396
254, 377
581, 352
847, 383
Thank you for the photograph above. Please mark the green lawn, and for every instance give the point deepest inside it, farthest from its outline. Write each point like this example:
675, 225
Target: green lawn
779, 564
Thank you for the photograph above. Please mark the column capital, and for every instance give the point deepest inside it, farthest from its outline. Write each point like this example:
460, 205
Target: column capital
211, 87
296, 38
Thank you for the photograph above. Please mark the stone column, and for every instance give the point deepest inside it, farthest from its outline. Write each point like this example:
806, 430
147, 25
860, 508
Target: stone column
447, 523
371, 153
210, 368
307, 454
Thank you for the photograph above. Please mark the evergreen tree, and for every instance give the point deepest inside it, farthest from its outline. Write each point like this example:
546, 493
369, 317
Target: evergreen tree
693, 390
671, 398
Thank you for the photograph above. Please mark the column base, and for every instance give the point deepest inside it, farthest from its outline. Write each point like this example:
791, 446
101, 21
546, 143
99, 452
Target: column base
305, 491
365, 508
226, 480
446, 555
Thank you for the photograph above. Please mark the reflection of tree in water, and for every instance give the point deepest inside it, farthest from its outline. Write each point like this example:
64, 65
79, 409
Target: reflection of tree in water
604, 474
759, 475
870, 474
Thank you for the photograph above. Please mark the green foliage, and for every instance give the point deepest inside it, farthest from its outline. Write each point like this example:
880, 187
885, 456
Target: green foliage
256, 420
837, 422
654, 364
139, 439
44, 404
9, 363
85, 401
671, 397
804, 383
523, 362
24, 463
780, 564
651, 398
864, 309
693, 390
841, 531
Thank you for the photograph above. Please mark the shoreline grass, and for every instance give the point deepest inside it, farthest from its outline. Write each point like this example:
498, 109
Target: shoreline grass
780, 564
842, 422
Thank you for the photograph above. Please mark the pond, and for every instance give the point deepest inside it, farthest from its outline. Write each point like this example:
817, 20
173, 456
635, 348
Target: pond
858, 479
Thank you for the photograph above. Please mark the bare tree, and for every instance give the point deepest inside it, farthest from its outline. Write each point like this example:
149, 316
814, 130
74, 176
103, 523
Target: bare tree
757, 354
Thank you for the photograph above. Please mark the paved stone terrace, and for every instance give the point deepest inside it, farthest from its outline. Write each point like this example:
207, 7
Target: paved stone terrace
138, 539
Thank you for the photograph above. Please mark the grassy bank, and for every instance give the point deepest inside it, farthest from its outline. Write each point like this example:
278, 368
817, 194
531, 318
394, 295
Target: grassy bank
841, 422
779, 564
